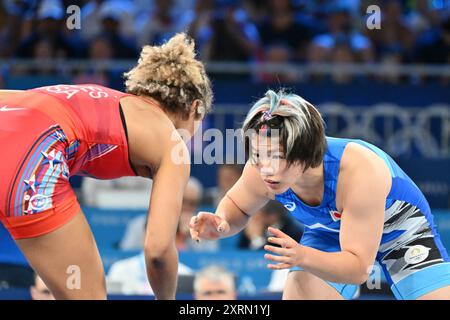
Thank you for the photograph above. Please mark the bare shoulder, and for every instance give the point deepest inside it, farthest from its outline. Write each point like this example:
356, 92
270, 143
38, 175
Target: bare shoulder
361, 165
141, 113
151, 134
358, 157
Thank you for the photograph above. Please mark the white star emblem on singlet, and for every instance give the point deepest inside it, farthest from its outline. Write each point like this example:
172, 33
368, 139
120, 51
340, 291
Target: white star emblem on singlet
51, 158
31, 183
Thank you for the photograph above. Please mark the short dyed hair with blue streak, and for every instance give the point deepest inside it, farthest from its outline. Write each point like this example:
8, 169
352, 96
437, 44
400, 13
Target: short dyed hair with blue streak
298, 123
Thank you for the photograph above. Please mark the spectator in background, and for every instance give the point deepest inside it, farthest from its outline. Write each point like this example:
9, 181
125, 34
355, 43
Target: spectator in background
340, 30
281, 26
110, 21
257, 10
424, 16
129, 276
163, 22
122, 47
278, 54
48, 35
435, 49
15, 17
342, 54
94, 12
394, 41
214, 283
230, 35
134, 233
192, 197
272, 214
227, 175
122, 193
203, 13
191, 200
100, 50
44, 53
125, 193
39, 290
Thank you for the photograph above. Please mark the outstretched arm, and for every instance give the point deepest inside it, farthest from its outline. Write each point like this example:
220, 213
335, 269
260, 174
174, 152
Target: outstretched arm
247, 196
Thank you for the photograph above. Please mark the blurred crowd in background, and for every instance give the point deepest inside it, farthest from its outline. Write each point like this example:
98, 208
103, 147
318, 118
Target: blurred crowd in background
277, 31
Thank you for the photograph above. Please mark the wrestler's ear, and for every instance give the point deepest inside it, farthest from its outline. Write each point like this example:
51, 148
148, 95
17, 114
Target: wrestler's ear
197, 109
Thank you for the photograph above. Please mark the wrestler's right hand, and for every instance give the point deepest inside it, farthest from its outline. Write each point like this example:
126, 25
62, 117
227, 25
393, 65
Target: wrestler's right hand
208, 226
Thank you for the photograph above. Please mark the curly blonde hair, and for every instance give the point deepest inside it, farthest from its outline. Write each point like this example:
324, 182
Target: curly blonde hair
172, 75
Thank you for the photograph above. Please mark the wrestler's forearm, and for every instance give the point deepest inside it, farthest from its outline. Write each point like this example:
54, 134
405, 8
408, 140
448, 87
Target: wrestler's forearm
340, 267
162, 273
230, 212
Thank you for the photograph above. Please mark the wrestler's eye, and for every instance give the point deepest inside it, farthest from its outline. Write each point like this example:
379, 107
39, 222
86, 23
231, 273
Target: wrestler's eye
254, 158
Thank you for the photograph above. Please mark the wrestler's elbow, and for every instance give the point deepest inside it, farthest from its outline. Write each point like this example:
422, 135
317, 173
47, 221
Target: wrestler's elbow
362, 269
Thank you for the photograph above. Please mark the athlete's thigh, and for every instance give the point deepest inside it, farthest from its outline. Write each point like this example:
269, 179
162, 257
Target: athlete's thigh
67, 260
302, 285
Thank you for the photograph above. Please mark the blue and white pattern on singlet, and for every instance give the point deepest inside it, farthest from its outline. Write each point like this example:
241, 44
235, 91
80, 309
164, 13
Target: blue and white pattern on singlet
411, 253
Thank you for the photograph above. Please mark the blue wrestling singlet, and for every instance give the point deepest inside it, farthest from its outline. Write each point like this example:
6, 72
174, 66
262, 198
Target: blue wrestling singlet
411, 253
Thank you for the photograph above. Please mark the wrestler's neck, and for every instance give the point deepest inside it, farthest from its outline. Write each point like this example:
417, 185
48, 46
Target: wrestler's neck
310, 183
176, 119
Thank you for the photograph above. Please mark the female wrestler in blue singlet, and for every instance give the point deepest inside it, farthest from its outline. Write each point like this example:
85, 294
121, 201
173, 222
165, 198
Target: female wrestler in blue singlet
357, 205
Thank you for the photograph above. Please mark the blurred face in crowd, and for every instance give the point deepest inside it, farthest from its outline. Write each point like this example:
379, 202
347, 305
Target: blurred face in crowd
342, 54
49, 26
110, 25
393, 11
339, 21
219, 289
100, 49
280, 5
164, 6
203, 5
191, 199
227, 177
43, 50
278, 54
40, 291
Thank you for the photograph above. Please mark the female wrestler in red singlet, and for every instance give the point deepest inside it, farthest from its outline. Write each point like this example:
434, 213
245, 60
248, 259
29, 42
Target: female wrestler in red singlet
51, 133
